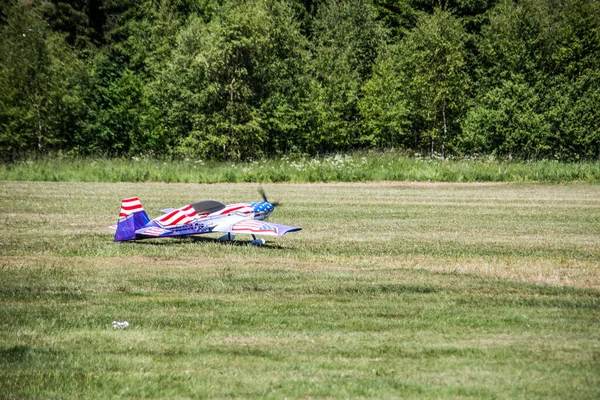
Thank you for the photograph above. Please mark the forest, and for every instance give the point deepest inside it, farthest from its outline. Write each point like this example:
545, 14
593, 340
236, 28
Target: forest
252, 79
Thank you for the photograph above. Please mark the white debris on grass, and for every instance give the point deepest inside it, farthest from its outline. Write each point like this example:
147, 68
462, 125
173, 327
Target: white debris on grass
120, 325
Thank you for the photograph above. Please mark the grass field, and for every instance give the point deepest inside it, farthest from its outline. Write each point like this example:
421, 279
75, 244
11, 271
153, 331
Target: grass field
390, 290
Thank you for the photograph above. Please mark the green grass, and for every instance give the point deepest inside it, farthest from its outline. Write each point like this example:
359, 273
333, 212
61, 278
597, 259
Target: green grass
338, 168
391, 290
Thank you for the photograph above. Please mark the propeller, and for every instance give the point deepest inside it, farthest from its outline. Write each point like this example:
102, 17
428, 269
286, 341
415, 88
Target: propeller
264, 196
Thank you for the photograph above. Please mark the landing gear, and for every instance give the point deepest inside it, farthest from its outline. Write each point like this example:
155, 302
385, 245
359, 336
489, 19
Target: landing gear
257, 242
228, 237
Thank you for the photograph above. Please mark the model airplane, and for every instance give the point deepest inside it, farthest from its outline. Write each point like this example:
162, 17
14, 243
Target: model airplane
198, 218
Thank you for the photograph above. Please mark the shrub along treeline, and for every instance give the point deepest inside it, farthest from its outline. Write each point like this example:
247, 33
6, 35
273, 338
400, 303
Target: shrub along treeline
233, 80
355, 167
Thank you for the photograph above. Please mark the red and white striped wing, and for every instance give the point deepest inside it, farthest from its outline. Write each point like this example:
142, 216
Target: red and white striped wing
180, 216
254, 227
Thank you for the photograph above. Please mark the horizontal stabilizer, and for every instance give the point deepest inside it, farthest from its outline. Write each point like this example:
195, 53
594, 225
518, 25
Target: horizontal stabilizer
254, 227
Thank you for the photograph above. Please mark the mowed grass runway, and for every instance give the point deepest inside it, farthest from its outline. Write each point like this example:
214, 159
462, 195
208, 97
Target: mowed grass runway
390, 290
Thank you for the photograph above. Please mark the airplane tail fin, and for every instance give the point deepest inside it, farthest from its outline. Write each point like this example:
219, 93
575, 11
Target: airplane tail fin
131, 218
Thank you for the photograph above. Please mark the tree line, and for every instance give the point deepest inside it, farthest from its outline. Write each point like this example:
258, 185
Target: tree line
224, 79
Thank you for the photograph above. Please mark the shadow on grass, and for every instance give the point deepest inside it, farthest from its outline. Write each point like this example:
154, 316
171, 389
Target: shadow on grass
15, 354
198, 239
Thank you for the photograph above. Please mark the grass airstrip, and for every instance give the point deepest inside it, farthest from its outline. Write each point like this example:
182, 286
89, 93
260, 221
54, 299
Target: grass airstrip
390, 290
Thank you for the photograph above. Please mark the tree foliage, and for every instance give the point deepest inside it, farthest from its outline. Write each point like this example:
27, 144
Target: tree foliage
227, 79
420, 85
40, 85
346, 42
235, 85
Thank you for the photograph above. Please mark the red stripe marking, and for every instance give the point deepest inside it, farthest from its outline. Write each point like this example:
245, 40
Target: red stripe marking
177, 220
168, 216
136, 207
190, 213
179, 214
231, 209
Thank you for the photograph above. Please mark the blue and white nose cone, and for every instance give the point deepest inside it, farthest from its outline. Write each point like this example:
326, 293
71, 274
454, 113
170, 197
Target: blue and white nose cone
262, 209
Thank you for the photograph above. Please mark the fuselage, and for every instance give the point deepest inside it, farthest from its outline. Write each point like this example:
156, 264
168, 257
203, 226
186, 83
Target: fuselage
186, 217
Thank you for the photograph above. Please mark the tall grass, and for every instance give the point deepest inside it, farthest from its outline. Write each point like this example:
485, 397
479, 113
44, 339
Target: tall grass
334, 168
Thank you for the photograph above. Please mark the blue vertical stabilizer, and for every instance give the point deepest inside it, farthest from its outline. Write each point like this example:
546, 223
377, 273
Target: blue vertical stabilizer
131, 218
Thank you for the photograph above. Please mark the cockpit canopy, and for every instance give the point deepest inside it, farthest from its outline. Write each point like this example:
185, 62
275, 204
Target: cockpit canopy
208, 206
